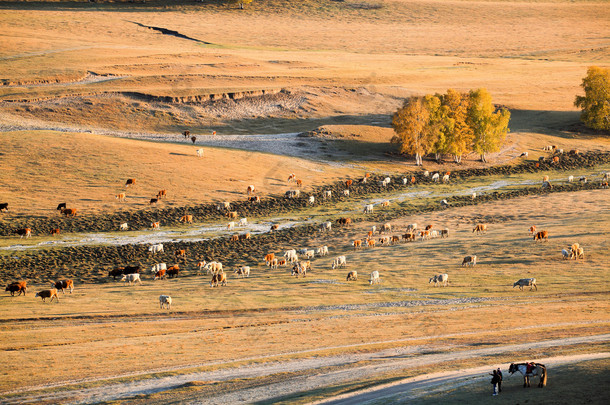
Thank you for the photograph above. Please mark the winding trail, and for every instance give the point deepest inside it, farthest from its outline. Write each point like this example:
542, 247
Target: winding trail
379, 362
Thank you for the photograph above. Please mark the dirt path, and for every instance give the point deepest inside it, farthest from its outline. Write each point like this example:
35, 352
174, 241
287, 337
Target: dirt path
382, 362
414, 387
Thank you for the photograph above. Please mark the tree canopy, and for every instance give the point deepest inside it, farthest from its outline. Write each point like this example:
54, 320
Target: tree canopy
453, 123
596, 102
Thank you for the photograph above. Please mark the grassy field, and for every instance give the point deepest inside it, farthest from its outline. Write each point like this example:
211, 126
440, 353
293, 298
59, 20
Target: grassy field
77, 77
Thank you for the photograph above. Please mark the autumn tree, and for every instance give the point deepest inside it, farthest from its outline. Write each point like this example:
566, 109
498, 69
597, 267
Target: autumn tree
489, 127
456, 129
410, 124
596, 102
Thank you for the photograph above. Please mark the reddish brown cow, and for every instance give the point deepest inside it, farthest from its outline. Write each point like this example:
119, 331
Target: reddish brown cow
44, 294
218, 279
64, 285
244, 236
428, 227
69, 212
479, 228
348, 183
55, 231
299, 183
4, 207
17, 286
27, 232
255, 199
357, 243
542, 235
344, 221
532, 229
130, 182
160, 274
180, 253
173, 271
162, 194
234, 238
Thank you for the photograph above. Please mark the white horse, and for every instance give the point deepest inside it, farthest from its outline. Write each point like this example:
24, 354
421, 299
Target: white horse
537, 369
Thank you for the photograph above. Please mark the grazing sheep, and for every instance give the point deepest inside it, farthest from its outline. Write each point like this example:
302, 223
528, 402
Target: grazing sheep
322, 251
374, 278
340, 261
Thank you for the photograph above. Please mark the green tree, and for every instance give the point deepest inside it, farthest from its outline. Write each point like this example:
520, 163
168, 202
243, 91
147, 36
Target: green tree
457, 131
596, 102
410, 124
489, 127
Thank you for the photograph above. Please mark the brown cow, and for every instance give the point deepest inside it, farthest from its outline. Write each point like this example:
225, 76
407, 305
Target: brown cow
251, 189
269, 257
218, 279
428, 227
369, 234
193, 138
244, 236
409, 236
234, 238
232, 214
344, 221
162, 194
155, 225
44, 294
370, 243
542, 235
160, 274
180, 253
114, 273
130, 182
121, 197
69, 212
173, 271
479, 228
274, 227
357, 243
186, 133
55, 231
27, 232
282, 262
299, 183
4, 207
64, 285
153, 201
187, 219
532, 229
255, 199
555, 159
352, 276
17, 286
348, 183
395, 239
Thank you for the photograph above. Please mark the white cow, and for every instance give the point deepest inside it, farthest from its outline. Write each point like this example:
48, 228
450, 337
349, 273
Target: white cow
312, 199
411, 227
213, 267
231, 225
131, 278
435, 177
243, 271
326, 226
368, 209
440, 278
346, 192
158, 267
310, 254
340, 261
124, 226
322, 251
426, 173
156, 248
374, 279
405, 181
165, 300
570, 179
328, 194
291, 256
199, 152
446, 178
243, 222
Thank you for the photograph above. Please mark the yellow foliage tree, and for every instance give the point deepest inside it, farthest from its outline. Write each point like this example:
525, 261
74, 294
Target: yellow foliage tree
596, 102
489, 126
410, 124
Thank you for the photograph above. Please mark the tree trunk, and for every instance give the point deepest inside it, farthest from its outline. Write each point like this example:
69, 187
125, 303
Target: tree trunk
418, 160
457, 158
437, 157
483, 158
241, 6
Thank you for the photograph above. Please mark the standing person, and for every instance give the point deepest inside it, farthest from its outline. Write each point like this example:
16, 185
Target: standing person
499, 372
494, 381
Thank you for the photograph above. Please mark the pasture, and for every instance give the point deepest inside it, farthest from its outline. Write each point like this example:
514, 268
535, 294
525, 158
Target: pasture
93, 94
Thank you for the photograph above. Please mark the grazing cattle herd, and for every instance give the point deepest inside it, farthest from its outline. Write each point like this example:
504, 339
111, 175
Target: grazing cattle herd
131, 274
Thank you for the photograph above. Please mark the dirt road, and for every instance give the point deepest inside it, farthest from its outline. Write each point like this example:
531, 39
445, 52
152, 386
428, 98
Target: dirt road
377, 363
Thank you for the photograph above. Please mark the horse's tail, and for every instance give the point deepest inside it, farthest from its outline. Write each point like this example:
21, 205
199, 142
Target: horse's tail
543, 375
